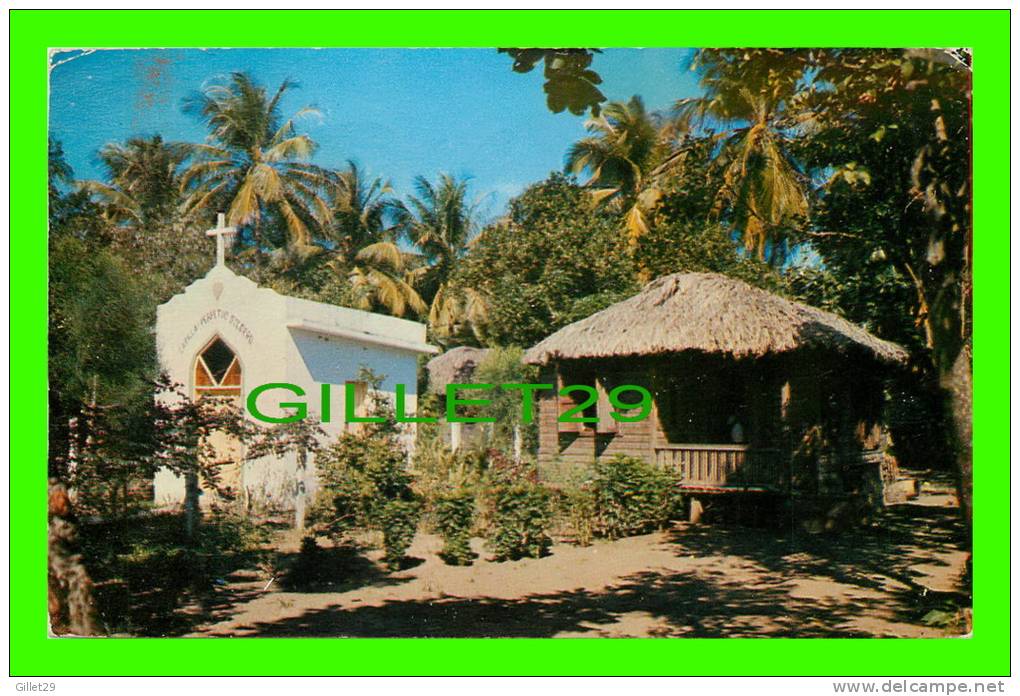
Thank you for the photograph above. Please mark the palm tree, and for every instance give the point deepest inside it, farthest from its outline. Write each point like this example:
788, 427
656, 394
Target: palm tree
144, 182
457, 315
441, 223
384, 277
58, 169
624, 147
762, 188
359, 211
255, 165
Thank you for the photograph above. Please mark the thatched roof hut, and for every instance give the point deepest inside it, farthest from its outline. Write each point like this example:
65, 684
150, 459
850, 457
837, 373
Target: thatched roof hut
712, 314
455, 366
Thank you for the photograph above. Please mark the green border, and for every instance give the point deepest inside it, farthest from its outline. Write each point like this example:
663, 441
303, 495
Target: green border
32, 32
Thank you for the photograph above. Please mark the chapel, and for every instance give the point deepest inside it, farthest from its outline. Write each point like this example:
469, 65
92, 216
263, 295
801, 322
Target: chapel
224, 335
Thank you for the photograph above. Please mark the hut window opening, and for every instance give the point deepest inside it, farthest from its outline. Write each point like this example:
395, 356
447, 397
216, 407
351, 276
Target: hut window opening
571, 401
217, 372
707, 403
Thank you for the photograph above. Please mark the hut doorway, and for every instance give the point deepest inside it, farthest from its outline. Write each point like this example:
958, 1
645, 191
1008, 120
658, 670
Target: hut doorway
707, 401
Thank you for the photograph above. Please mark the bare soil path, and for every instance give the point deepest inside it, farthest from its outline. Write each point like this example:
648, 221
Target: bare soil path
698, 581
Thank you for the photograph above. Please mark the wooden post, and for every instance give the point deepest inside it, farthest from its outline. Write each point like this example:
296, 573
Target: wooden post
696, 511
455, 436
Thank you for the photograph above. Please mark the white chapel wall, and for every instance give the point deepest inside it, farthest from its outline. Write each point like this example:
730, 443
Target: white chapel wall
253, 322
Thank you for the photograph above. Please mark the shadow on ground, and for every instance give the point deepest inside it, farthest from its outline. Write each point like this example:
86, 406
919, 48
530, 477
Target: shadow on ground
803, 586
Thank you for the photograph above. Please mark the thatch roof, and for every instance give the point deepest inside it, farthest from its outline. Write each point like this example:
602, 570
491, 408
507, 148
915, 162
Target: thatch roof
455, 366
710, 313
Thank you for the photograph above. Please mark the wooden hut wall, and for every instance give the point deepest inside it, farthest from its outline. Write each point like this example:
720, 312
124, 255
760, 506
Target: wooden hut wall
564, 447
833, 422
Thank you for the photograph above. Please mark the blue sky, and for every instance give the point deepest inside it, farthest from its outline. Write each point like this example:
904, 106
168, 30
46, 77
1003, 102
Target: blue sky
397, 112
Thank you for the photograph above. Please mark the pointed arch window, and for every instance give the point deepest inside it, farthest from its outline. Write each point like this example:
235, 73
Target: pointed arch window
217, 371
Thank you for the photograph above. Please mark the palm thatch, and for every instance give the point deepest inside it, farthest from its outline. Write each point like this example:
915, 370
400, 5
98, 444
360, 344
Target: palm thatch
455, 366
710, 313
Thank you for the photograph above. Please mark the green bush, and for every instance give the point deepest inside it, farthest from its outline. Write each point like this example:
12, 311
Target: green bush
521, 517
631, 497
578, 506
398, 520
439, 469
358, 475
364, 484
454, 516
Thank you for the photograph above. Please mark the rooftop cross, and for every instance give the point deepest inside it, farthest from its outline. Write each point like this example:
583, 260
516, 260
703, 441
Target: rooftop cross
221, 232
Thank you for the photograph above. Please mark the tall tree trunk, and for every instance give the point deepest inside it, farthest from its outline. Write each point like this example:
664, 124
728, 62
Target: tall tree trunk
192, 512
301, 497
72, 607
957, 382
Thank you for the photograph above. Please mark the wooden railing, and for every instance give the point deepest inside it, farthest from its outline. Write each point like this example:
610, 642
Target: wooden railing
722, 466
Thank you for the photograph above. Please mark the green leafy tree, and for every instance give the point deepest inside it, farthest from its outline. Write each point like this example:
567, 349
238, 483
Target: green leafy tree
555, 259
142, 198
504, 366
683, 234
570, 83
101, 352
891, 135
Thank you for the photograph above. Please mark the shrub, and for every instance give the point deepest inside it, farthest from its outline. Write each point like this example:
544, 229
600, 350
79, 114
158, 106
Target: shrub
631, 497
500, 366
454, 516
358, 475
521, 516
578, 506
364, 484
501, 472
398, 520
438, 469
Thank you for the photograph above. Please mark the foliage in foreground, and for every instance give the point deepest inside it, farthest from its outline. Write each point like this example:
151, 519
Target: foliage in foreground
398, 520
145, 567
521, 520
364, 482
631, 496
454, 518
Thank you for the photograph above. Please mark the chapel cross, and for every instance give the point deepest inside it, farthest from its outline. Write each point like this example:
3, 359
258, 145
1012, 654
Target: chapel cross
221, 232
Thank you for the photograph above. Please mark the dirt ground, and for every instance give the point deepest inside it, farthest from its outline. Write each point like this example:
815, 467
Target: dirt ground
891, 580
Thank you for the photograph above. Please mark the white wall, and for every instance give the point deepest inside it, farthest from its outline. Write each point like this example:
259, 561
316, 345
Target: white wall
254, 322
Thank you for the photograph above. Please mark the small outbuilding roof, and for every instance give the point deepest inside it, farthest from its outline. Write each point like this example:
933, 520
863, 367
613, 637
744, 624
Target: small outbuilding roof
455, 366
711, 313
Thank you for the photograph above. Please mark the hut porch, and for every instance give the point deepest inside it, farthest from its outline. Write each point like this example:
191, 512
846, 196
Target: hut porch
723, 468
